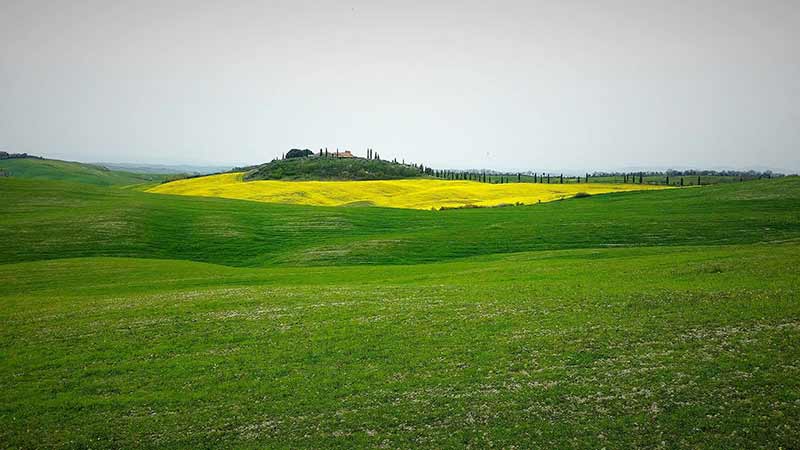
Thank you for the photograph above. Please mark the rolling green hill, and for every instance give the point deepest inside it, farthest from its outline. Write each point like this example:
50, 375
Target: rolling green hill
52, 169
316, 168
630, 320
47, 220
685, 347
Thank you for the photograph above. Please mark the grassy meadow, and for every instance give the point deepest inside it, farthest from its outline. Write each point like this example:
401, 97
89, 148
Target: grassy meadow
53, 169
659, 318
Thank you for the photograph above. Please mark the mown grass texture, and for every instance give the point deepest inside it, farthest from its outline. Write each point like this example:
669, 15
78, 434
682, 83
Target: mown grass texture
680, 347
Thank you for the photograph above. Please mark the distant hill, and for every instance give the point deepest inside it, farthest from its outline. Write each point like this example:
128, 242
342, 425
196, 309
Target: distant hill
321, 168
165, 169
52, 169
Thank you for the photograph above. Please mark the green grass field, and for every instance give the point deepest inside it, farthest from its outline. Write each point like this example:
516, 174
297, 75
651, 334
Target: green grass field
664, 319
53, 169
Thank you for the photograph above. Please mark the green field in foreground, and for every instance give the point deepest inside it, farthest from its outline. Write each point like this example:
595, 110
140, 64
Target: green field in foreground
647, 319
692, 347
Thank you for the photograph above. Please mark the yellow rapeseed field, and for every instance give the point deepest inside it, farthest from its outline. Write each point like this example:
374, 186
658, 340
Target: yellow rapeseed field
410, 193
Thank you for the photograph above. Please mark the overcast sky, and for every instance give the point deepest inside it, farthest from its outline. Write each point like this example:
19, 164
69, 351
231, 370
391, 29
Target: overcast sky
508, 85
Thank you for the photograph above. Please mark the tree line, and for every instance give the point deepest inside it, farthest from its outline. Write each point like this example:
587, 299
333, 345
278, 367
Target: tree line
673, 177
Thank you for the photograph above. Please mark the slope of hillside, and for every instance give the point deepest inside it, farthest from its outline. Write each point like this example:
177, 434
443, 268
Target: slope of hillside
52, 169
415, 193
316, 168
603, 348
44, 220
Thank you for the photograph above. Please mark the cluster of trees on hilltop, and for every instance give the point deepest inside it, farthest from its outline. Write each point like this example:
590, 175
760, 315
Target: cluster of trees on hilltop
332, 169
297, 153
324, 153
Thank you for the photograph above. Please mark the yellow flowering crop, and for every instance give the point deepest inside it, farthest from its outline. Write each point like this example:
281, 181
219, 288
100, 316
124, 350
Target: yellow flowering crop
409, 193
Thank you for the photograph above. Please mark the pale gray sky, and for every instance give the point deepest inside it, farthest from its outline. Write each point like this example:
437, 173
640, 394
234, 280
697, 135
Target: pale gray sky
511, 85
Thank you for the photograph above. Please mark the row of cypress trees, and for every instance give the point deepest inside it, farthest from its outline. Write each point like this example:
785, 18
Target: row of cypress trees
506, 178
